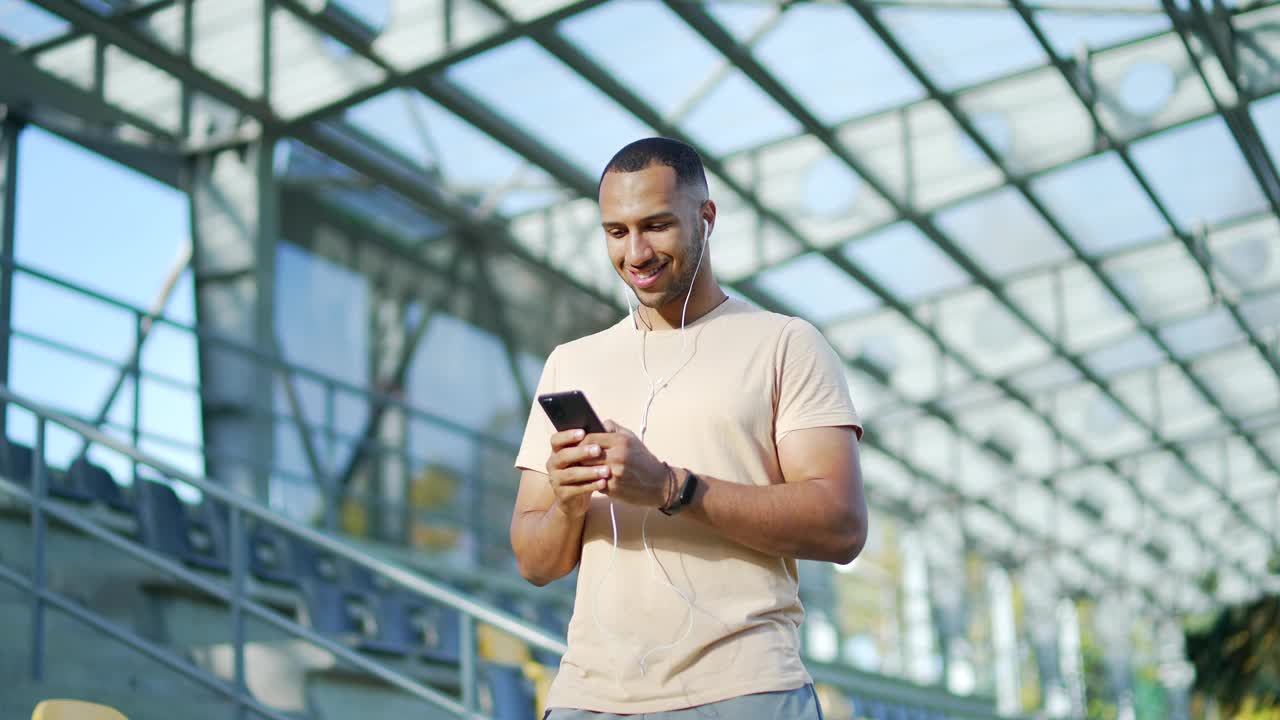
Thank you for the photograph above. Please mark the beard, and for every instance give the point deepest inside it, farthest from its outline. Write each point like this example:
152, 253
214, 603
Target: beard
681, 284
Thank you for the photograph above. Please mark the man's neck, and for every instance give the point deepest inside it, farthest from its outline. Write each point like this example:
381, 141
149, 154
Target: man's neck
706, 297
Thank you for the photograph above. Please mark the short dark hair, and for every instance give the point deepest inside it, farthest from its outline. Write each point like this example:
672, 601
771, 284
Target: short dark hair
674, 154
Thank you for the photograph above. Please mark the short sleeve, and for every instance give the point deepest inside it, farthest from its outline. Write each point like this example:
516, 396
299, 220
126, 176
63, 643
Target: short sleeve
812, 390
535, 448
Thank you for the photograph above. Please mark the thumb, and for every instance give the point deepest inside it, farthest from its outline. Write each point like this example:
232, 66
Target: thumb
614, 427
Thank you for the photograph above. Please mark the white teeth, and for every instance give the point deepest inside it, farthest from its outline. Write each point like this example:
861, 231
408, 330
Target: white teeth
646, 276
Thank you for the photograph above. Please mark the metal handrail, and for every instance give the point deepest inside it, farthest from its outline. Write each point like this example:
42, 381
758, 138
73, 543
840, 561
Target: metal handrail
267, 359
238, 506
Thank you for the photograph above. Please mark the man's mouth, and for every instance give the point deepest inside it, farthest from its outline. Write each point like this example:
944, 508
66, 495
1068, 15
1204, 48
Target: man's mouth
648, 277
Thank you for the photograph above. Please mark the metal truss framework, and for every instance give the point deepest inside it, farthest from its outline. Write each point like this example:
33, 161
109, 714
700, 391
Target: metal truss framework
997, 443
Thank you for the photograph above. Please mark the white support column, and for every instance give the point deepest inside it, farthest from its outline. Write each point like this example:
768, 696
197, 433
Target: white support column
922, 657
1040, 602
1004, 636
1113, 623
234, 225
1175, 670
1071, 656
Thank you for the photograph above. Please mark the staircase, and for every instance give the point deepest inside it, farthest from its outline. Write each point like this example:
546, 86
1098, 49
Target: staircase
224, 609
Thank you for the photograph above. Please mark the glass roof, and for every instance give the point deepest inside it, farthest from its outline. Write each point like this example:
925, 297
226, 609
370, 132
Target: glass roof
1044, 240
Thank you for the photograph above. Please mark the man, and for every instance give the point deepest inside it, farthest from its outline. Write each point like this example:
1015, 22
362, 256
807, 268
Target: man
736, 424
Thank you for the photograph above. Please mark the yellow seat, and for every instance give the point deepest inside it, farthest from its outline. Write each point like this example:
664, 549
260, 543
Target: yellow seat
74, 710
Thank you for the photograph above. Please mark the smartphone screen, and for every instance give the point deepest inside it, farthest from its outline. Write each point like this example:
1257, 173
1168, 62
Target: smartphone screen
570, 410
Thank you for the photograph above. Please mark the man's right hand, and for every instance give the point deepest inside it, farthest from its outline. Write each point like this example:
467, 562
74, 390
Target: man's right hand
574, 472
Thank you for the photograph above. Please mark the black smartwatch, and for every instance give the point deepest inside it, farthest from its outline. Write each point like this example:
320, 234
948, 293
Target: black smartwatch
685, 496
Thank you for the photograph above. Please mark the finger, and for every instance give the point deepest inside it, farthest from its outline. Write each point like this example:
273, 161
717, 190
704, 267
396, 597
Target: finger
567, 492
583, 454
566, 438
579, 475
610, 426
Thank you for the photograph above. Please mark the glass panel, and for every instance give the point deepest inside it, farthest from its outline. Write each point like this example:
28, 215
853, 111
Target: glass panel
964, 47
1017, 430
1090, 314
24, 24
1096, 422
1002, 233
976, 325
906, 262
816, 289
1054, 373
1247, 255
1161, 282
899, 352
715, 122
415, 32
1243, 383
922, 154
307, 72
1034, 121
1070, 30
1262, 314
812, 43
468, 161
665, 80
1199, 173
1147, 86
227, 42
1201, 333
817, 192
1131, 353
1266, 117
1100, 204
140, 88
537, 92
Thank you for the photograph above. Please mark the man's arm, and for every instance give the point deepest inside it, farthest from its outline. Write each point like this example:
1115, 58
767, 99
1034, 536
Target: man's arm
551, 509
818, 513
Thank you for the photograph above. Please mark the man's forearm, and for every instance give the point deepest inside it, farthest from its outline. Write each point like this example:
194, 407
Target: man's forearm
547, 544
804, 520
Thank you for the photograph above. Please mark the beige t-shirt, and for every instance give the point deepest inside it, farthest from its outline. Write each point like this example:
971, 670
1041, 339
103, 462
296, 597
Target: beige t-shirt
747, 378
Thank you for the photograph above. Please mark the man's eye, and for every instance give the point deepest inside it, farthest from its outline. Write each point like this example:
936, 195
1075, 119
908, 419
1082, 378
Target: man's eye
660, 228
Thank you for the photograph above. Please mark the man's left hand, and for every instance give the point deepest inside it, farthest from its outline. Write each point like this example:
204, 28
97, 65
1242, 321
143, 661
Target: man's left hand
636, 476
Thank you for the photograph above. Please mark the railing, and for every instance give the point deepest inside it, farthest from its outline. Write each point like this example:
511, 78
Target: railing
239, 509
334, 391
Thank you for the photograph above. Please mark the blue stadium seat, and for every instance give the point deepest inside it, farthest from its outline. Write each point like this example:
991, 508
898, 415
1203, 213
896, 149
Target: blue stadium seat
96, 483
512, 693
163, 525
271, 555
331, 609
15, 462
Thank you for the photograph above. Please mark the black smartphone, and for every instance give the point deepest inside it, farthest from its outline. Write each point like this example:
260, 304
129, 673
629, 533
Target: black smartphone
570, 410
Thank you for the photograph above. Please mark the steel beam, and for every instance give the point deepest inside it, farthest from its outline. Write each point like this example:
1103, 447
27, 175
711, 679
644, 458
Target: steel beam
10, 131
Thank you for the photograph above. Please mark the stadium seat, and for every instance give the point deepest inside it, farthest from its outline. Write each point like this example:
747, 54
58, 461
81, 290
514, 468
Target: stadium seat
97, 484
271, 555
331, 609
164, 525
15, 462
74, 710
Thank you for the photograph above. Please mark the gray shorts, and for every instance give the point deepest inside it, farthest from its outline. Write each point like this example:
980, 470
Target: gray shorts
798, 704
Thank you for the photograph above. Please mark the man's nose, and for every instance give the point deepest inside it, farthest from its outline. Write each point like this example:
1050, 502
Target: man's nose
639, 251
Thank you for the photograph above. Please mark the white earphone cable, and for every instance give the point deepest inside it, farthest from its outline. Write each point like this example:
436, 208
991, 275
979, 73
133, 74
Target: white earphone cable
654, 388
